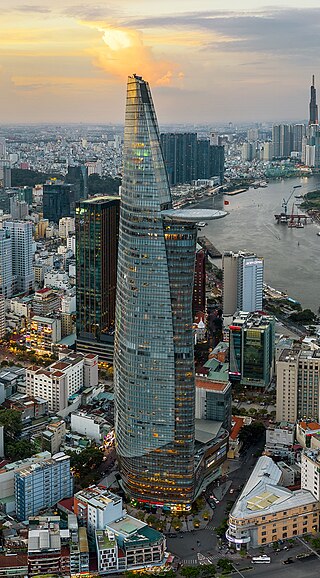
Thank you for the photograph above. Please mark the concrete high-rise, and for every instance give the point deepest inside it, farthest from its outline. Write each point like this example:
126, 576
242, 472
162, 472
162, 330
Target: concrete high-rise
5, 264
313, 107
22, 254
97, 230
154, 357
242, 282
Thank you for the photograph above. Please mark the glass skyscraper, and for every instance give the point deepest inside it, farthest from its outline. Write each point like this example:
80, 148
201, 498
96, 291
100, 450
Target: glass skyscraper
154, 363
97, 229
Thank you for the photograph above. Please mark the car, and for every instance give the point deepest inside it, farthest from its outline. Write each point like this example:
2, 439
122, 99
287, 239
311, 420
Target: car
231, 490
287, 561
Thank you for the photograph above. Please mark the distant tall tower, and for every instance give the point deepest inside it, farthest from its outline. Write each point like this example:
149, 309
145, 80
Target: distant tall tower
313, 107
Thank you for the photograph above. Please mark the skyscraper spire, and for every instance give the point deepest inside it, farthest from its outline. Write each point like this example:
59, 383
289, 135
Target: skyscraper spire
313, 107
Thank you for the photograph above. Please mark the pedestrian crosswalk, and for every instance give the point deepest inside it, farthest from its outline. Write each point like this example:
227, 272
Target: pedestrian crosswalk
189, 562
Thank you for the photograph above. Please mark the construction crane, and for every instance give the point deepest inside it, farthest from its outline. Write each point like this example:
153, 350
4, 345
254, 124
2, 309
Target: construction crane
285, 202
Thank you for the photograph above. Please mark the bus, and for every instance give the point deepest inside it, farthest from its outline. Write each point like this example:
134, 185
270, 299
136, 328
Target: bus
261, 559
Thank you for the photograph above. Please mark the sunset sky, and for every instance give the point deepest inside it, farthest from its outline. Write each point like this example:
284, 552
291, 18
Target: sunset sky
206, 60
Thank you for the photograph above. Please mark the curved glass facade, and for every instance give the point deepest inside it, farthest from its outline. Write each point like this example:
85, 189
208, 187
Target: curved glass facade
154, 368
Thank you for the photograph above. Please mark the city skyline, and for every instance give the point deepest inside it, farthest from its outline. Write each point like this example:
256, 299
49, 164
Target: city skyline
69, 62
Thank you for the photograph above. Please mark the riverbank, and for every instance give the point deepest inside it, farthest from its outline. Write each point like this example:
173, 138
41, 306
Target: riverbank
291, 255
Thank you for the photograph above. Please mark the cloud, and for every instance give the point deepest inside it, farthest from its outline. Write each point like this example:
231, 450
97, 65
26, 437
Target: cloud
282, 31
123, 52
32, 8
87, 12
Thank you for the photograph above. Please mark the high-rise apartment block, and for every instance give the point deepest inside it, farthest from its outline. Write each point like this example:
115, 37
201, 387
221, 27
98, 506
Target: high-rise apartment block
97, 231
298, 385
252, 349
6, 279
42, 485
242, 282
287, 138
188, 159
22, 254
154, 357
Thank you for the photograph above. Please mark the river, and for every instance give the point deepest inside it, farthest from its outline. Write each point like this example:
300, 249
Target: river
291, 256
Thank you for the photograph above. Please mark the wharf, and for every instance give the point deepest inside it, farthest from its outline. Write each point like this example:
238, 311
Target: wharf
210, 248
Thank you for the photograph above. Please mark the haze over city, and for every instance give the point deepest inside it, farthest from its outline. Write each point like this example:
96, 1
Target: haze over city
209, 62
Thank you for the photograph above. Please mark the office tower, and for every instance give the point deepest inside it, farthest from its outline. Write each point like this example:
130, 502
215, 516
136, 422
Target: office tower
97, 230
199, 286
298, 385
180, 155
251, 356
268, 153
242, 282
22, 254
154, 359
5, 264
58, 201
313, 107
42, 485
77, 176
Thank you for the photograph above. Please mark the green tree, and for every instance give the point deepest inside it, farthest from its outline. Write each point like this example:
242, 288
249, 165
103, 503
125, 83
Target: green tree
305, 316
20, 450
11, 420
176, 523
250, 433
87, 462
208, 571
190, 571
103, 185
225, 565
196, 522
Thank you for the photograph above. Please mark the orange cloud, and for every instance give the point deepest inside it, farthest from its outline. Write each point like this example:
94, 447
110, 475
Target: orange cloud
123, 52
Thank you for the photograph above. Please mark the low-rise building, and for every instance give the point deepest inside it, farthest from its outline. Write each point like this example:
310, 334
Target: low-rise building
53, 436
310, 472
43, 332
45, 301
92, 426
96, 507
266, 511
280, 440
305, 432
42, 485
7, 475
62, 379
